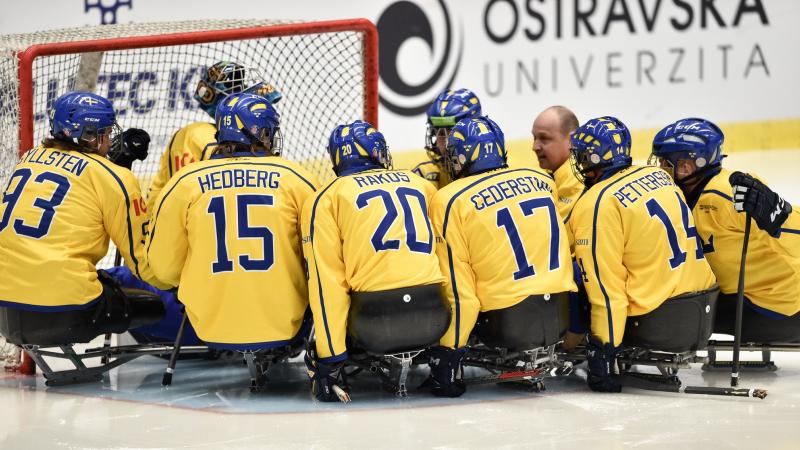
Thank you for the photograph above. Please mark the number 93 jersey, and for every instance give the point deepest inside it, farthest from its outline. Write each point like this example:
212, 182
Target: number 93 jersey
636, 246
499, 240
226, 231
56, 216
365, 232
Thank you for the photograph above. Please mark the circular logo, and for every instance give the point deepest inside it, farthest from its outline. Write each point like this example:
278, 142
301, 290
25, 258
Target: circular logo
400, 26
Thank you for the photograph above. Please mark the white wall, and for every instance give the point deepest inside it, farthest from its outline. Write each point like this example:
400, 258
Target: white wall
745, 71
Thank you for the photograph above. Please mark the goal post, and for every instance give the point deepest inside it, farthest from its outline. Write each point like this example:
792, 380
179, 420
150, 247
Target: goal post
326, 71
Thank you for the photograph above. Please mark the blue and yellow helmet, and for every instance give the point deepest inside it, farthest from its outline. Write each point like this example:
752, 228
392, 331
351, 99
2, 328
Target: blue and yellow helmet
79, 117
600, 144
358, 146
450, 106
248, 119
219, 80
475, 145
697, 140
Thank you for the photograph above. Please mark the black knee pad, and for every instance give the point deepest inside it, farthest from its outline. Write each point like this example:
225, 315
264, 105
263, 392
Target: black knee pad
398, 319
537, 321
680, 324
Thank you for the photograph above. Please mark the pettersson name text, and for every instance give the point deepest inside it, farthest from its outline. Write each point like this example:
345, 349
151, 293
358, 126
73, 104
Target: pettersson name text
630, 192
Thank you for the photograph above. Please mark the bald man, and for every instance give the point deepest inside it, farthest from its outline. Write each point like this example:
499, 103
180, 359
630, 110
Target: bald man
551, 131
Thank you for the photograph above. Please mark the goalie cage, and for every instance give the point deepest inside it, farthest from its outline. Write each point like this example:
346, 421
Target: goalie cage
326, 71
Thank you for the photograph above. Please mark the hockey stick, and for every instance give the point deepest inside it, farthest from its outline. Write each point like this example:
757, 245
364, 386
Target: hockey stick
505, 377
648, 385
737, 337
107, 337
166, 380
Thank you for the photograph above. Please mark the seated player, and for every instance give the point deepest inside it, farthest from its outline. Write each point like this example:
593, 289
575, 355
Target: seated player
501, 246
226, 231
443, 114
188, 144
691, 151
63, 202
369, 247
635, 241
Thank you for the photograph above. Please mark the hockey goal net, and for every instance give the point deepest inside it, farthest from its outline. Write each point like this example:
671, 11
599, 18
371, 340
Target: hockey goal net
326, 71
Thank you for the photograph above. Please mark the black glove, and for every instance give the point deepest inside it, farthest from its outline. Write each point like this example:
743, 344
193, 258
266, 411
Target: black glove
324, 378
445, 379
601, 359
130, 145
767, 208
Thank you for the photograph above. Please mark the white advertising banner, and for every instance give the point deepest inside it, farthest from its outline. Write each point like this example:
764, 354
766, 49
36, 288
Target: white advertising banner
647, 62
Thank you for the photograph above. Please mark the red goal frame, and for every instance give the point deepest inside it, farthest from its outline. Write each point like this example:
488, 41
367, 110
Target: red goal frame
27, 56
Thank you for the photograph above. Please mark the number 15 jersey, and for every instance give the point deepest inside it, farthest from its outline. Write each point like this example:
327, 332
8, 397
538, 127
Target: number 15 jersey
227, 232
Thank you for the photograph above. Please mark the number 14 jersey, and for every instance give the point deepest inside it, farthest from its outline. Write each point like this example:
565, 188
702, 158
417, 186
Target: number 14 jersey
636, 246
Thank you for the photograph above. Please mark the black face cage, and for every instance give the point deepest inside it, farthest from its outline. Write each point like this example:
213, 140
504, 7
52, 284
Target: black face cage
90, 137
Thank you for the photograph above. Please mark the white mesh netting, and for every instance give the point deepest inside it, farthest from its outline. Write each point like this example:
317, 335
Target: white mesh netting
321, 77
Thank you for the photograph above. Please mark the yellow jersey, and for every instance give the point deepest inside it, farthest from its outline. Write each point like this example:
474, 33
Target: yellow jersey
187, 145
432, 172
568, 189
226, 231
636, 245
499, 240
365, 232
772, 269
57, 214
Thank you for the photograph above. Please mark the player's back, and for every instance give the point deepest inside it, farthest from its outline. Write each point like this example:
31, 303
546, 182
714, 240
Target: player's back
55, 214
188, 145
506, 224
387, 240
639, 214
772, 277
227, 232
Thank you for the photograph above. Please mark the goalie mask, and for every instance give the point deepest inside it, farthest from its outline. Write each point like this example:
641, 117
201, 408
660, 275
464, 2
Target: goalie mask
599, 147
475, 145
250, 120
449, 107
84, 119
356, 147
692, 140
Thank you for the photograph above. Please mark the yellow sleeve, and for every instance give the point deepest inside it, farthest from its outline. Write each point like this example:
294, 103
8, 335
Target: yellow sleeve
788, 243
328, 291
168, 242
125, 221
599, 256
460, 285
163, 175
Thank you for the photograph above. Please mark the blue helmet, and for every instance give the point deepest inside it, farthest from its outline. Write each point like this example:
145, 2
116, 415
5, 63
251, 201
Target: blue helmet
443, 114
79, 117
475, 145
600, 144
358, 146
248, 119
218, 81
696, 140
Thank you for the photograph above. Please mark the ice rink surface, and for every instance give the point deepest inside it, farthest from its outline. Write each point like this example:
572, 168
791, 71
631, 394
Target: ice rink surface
209, 404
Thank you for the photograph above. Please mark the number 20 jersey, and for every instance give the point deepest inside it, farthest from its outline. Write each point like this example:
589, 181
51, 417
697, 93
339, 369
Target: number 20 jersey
365, 232
227, 232
499, 240
636, 246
